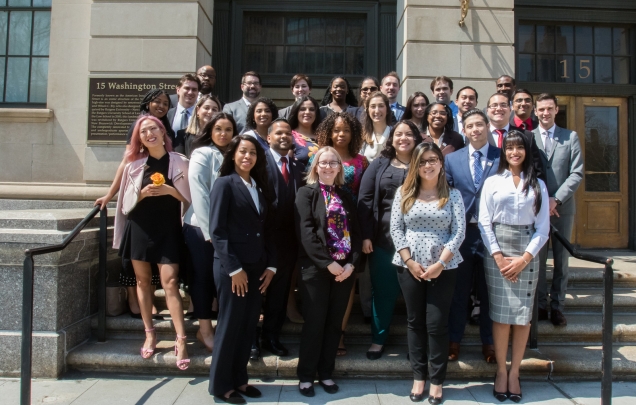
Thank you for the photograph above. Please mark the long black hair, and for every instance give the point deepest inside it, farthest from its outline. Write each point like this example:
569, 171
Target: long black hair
516, 138
450, 122
293, 114
408, 113
350, 97
250, 122
389, 151
258, 172
204, 137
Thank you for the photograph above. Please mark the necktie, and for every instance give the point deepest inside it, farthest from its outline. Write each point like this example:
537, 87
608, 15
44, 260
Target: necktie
284, 170
477, 168
184, 119
547, 145
501, 133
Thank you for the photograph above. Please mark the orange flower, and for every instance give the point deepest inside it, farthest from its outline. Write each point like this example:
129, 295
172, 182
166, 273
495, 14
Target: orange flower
157, 179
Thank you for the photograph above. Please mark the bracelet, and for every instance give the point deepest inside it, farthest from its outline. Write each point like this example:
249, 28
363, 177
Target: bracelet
524, 260
407, 260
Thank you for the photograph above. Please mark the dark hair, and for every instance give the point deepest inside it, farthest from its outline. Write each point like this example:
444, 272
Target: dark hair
189, 77
497, 94
367, 122
251, 73
323, 133
250, 122
442, 79
517, 138
298, 78
389, 151
450, 122
546, 96
144, 105
475, 111
468, 88
350, 97
204, 137
375, 81
279, 119
293, 114
522, 91
408, 113
258, 172
512, 79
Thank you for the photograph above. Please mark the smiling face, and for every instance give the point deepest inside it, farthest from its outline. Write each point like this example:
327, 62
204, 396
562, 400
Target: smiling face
418, 107
262, 115
391, 87
466, 100
244, 158
377, 109
188, 93
222, 133
251, 87
476, 131
505, 86
546, 111
159, 106
442, 92
301, 88
499, 111
326, 173
307, 113
280, 138
430, 166
368, 87
515, 154
522, 105
206, 112
437, 117
339, 90
341, 134
150, 134
403, 139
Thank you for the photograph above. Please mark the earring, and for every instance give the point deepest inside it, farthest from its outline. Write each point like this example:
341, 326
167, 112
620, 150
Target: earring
141, 150
163, 143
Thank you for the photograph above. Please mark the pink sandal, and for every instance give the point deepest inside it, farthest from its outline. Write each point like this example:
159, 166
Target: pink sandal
181, 364
147, 353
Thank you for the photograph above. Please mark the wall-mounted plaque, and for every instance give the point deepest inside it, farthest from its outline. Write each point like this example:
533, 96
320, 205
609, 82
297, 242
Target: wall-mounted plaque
114, 104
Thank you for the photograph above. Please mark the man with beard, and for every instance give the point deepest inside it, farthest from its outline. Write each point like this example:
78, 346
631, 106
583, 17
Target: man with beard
251, 88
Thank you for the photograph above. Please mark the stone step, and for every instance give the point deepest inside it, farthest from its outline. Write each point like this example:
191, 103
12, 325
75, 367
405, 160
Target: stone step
46, 219
550, 360
8, 204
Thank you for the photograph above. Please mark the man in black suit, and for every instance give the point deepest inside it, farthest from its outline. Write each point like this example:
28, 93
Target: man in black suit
285, 178
499, 115
523, 115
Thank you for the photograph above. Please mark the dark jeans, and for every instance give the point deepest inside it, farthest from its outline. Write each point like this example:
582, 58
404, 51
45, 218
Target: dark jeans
201, 288
472, 268
324, 304
427, 307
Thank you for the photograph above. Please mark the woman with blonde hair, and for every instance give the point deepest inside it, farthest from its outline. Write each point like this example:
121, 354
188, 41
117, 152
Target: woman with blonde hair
205, 109
428, 225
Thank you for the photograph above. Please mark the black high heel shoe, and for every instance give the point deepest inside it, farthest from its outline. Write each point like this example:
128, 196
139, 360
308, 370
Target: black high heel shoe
435, 400
501, 396
516, 397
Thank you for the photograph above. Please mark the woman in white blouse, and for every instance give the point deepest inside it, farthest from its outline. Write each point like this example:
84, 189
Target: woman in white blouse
514, 223
428, 225
375, 125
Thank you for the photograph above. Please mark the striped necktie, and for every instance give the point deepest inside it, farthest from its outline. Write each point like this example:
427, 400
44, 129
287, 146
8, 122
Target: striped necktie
477, 168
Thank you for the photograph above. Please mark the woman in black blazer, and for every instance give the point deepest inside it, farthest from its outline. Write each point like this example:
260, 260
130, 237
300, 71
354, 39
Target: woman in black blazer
244, 259
327, 227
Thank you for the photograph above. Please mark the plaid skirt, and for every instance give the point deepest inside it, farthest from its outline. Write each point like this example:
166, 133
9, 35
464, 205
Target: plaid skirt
511, 303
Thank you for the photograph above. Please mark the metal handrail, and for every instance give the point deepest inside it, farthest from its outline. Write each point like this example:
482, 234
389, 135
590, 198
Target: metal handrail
27, 295
608, 313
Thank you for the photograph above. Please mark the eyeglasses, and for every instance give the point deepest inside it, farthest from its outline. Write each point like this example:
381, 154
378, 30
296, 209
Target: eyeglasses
368, 89
440, 113
432, 161
255, 84
333, 164
503, 106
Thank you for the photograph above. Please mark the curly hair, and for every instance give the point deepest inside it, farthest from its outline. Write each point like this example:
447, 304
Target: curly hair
325, 129
250, 123
350, 98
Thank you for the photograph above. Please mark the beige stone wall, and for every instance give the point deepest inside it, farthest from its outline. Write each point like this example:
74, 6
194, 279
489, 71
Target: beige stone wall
431, 43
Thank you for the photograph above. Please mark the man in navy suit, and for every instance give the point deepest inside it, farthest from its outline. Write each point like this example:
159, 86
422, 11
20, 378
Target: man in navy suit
284, 175
466, 170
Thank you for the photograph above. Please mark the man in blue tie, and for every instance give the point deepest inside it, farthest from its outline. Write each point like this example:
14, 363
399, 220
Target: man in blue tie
466, 170
390, 86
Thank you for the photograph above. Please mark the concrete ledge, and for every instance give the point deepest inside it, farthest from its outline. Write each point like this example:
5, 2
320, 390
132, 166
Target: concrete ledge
25, 114
52, 191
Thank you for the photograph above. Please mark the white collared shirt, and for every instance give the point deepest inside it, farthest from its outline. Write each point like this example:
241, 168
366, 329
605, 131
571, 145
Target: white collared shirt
371, 152
471, 158
246, 101
459, 124
506, 129
176, 120
277, 157
502, 202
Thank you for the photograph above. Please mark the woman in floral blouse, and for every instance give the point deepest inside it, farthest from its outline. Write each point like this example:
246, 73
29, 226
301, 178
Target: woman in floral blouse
330, 249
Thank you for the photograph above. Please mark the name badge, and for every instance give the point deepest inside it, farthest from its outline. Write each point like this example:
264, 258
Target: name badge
488, 163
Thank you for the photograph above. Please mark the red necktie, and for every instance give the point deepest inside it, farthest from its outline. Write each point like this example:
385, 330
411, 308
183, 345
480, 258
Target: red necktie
501, 133
284, 170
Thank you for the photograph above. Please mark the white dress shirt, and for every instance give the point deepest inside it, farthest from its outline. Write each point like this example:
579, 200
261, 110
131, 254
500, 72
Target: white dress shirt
506, 129
459, 125
176, 120
502, 202
550, 134
247, 102
471, 158
371, 152
277, 157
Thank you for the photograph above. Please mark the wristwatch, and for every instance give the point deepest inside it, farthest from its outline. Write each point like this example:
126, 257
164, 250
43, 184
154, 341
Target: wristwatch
443, 263
557, 201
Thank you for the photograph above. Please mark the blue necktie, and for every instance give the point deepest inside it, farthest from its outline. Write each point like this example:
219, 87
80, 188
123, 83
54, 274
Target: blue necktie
477, 168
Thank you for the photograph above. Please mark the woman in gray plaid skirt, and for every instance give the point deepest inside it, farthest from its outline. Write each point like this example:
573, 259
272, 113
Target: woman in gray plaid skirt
514, 222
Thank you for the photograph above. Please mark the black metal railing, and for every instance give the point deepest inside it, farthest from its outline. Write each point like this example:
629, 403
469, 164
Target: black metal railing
608, 313
27, 295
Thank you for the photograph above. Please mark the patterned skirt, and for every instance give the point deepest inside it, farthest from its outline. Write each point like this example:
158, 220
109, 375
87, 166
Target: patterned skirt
511, 303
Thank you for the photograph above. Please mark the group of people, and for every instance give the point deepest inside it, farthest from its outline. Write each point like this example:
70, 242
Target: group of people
435, 200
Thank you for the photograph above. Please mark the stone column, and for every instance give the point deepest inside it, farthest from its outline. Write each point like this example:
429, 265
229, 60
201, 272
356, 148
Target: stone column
430, 43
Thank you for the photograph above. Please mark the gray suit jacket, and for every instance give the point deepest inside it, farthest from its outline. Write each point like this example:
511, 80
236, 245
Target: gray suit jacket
564, 167
238, 110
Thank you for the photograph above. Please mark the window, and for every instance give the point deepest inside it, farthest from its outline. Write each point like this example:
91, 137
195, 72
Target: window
275, 44
25, 27
574, 54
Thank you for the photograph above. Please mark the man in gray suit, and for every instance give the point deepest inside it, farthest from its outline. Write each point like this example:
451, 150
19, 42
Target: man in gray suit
251, 88
561, 155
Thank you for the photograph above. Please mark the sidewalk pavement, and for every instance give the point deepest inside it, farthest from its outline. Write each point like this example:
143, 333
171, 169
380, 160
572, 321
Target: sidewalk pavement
100, 389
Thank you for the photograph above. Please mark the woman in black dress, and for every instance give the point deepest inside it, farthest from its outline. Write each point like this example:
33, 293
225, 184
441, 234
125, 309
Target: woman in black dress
148, 223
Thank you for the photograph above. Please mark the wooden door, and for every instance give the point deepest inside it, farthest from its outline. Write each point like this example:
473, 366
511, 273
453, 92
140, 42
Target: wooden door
602, 198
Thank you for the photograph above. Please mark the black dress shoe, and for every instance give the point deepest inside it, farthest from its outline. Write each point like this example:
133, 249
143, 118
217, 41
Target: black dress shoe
234, 398
375, 354
417, 397
255, 353
329, 389
275, 347
307, 392
557, 318
250, 392
435, 400
501, 396
516, 397
543, 314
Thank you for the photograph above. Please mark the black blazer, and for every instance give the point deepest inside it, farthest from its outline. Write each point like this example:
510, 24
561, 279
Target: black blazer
273, 175
311, 224
184, 141
240, 234
369, 196
453, 141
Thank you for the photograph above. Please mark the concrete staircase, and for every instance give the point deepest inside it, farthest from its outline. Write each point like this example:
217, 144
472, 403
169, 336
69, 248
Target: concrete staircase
573, 351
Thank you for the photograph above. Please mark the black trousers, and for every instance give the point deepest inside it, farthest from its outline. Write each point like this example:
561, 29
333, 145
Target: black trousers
427, 307
277, 295
235, 329
324, 304
472, 268
201, 288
